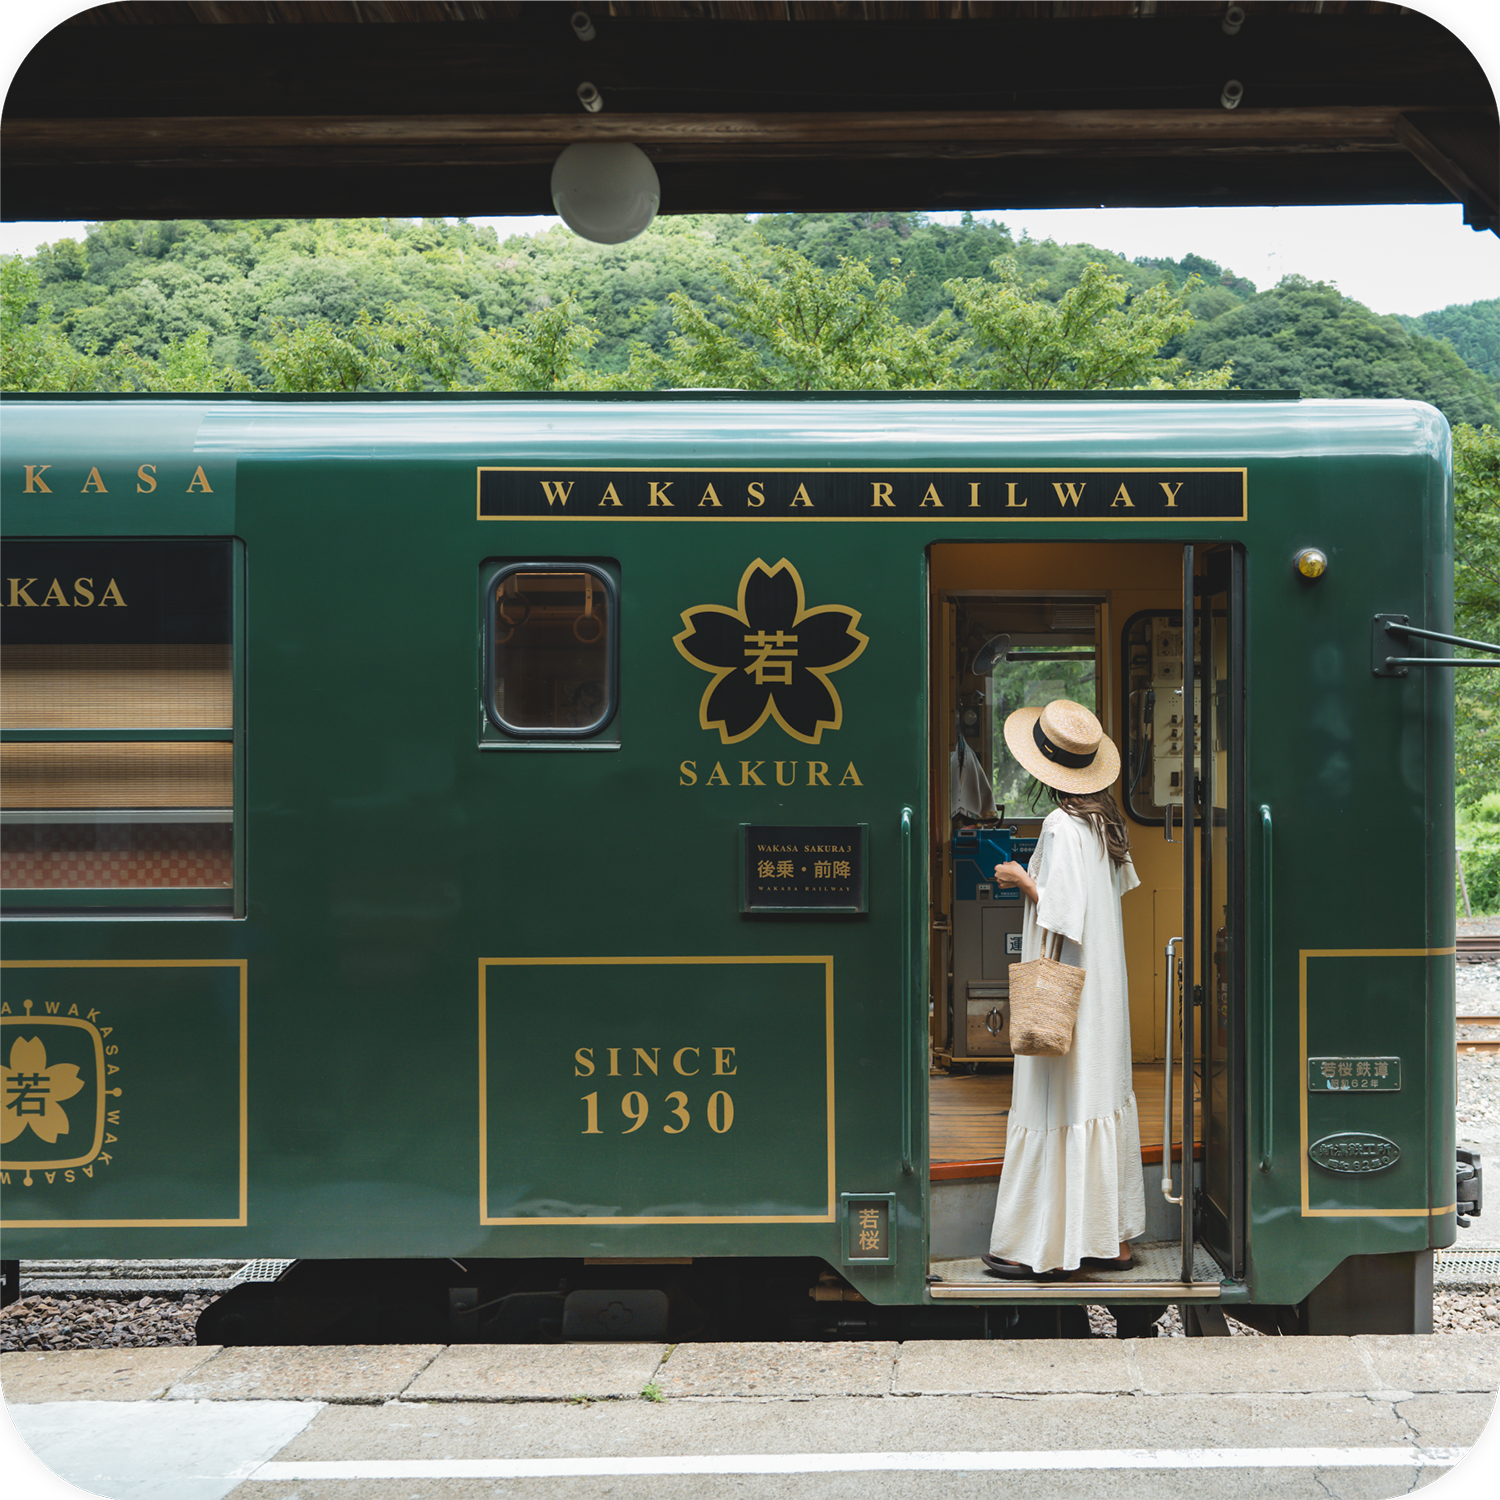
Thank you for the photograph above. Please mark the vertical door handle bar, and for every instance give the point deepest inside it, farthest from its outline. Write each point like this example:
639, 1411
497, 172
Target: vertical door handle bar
908, 1007
1265, 988
1166, 1091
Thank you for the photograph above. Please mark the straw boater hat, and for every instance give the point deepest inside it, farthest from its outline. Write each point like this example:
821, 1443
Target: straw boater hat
1064, 746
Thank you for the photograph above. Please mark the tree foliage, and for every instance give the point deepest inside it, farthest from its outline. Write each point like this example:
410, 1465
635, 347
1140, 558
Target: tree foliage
1096, 336
794, 327
1476, 607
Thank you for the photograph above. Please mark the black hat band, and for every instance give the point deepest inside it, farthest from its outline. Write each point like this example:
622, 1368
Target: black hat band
1057, 755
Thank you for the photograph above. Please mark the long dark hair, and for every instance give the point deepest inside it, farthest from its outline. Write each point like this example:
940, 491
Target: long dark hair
1101, 813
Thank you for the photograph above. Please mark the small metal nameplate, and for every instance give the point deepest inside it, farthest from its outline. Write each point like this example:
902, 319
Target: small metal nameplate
1355, 1153
1348, 1075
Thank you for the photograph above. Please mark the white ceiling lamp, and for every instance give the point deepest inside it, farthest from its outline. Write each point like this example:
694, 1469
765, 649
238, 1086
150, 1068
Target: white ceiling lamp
605, 193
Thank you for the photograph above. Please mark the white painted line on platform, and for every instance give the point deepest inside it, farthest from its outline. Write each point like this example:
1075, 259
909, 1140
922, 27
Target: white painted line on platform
847, 1463
144, 1450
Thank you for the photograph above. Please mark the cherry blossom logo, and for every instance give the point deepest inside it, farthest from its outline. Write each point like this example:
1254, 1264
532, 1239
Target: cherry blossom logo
770, 656
32, 1094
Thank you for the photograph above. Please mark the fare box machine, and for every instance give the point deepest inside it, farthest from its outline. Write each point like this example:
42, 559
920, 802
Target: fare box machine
986, 940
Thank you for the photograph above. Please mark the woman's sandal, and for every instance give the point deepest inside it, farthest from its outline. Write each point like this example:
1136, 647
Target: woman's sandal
1012, 1271
1107, 1263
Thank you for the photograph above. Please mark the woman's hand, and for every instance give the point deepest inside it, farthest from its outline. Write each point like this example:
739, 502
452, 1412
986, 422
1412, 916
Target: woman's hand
1013, 875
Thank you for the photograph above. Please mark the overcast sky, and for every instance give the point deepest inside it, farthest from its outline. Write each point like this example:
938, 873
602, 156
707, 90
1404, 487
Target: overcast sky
1404, 259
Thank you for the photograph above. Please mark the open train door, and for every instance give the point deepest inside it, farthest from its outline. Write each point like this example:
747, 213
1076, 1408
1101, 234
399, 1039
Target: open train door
1205, 978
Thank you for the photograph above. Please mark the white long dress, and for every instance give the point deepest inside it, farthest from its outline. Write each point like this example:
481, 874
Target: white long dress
1072, 1185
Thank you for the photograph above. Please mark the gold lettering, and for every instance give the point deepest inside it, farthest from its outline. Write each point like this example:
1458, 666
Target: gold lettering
53, 1006
790, 780
710, 497
755, 494
114, 1117
5, 1178
85, 588
1011, 503
687, 773
35, 484
747, 773
659, 490
677, 1066
110, 1068
850, 775
111, 1050
1123, 498
609, 497
1073, 496
817, 773
584, 1058
147, 480
614, 1062
802, 497
51, 1176
18, 594
650, 1062
68, 1177
717, 777
931, 498
1171, 492
724, 1062
112, 592
93, 482
199, 482
973, 495
556, 491
882, 496
55, 592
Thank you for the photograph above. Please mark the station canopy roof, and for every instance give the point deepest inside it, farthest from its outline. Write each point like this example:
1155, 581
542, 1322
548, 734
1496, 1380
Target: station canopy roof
368, 109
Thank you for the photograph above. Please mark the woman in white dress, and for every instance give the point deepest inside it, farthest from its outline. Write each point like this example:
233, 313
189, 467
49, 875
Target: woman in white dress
1071, 1190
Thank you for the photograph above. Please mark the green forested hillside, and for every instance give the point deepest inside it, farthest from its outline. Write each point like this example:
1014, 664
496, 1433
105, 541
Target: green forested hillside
1472, 328
117, 310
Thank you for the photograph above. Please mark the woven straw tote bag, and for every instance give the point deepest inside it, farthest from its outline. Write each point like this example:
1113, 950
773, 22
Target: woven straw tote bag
1044, 995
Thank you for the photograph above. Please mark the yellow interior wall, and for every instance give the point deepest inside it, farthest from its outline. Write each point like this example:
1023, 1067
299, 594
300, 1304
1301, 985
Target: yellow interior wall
1132, 576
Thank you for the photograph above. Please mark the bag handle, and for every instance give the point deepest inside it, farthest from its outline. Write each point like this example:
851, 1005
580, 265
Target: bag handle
1056, 944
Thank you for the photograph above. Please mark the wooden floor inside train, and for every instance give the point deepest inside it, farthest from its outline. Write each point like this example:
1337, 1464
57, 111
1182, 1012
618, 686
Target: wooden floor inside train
967, 1116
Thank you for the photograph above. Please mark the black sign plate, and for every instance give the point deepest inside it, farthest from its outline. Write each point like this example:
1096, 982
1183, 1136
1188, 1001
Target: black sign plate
803, 869
562, 493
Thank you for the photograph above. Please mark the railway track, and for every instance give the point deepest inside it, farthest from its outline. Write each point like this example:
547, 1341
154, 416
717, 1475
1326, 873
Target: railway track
1479, 948
1489, 1043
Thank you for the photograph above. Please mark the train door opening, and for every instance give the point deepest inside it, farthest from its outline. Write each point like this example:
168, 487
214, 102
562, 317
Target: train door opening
1108, 625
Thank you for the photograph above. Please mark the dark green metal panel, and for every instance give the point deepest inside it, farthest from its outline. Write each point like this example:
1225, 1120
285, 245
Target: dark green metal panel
387, 856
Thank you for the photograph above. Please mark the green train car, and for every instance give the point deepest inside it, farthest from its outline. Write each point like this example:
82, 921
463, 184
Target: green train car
500, 855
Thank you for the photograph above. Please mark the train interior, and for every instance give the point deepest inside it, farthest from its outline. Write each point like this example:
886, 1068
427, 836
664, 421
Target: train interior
1018, 624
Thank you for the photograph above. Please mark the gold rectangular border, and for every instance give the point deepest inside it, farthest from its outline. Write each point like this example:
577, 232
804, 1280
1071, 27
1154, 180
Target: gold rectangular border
1241, 469
243, 965
1303, 954
826, 960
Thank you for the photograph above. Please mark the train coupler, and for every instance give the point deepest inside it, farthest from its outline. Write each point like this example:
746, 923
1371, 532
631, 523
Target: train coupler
1470, 1185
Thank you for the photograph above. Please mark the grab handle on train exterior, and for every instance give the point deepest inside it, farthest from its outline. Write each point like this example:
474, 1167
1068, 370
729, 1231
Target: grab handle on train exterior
1166, 1091
1265, 988
908, 1007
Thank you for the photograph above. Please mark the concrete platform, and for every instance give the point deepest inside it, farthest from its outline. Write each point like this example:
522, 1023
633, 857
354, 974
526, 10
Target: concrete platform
1359, 1418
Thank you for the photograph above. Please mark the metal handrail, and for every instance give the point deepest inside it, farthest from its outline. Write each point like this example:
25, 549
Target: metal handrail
908, 991
1166, 1094
1266, 1137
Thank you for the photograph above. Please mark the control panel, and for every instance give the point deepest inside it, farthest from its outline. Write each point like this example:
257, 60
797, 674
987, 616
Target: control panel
1164, 730
987, 922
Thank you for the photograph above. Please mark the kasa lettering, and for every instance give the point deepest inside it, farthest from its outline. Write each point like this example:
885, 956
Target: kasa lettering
28, 593
43, 479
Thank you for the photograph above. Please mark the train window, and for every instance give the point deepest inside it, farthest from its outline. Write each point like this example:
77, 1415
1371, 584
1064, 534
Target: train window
551, 649
119, 752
